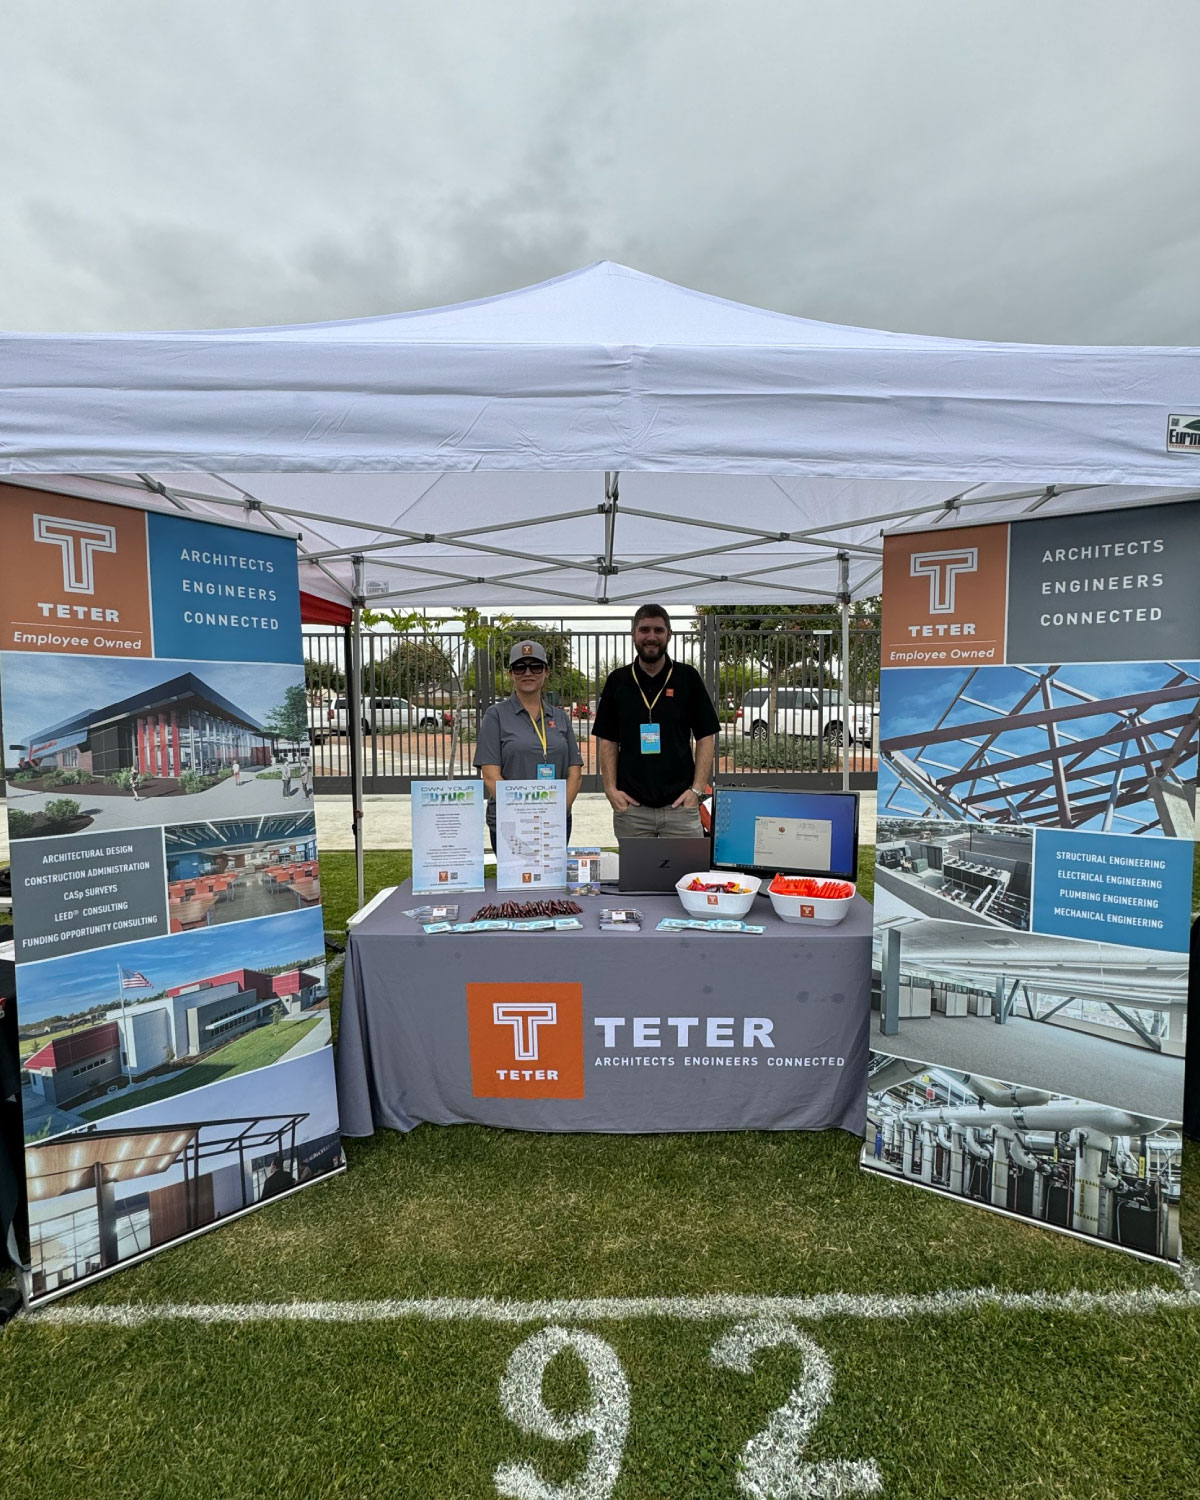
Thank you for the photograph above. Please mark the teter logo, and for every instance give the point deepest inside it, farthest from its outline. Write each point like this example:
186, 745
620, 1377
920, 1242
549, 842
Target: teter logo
945, 597
943, 569
79, 542
74, 576
526, 1040
526, 1020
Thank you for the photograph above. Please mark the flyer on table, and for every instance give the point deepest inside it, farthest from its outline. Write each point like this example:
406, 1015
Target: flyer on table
531, 835
447, 836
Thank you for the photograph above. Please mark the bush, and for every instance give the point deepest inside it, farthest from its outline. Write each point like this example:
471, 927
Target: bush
22, 778
60, 811
53, 777
778, 752
224, 773
20, 824
195, 781
269, 775
73, 778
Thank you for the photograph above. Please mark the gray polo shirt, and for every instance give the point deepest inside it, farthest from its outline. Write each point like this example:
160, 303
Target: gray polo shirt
508, 739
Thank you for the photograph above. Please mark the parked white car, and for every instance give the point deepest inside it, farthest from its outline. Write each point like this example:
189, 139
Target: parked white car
380, 716
810, 713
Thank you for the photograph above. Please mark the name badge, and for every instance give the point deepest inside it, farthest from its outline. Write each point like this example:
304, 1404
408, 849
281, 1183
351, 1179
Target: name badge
651, 739
545, 771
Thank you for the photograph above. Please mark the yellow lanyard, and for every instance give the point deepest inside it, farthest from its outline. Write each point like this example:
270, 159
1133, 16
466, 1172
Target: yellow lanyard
658, 695
539, 725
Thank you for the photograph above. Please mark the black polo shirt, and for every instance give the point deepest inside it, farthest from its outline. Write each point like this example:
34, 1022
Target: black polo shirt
683, 710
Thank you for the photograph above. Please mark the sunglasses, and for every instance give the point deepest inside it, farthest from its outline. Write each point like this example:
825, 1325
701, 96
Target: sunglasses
528, 666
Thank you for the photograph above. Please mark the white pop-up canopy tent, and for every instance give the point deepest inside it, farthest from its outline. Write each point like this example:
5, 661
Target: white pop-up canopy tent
602, 437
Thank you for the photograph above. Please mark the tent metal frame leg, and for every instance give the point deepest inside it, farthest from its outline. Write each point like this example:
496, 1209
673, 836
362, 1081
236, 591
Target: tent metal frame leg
354, 715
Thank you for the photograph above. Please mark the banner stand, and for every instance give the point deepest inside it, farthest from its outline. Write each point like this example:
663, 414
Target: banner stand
1039, 727
171, 998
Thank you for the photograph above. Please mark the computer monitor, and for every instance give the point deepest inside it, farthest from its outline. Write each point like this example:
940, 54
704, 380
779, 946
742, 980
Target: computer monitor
775, 830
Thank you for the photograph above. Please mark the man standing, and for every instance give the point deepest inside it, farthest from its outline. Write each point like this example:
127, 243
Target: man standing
646, 719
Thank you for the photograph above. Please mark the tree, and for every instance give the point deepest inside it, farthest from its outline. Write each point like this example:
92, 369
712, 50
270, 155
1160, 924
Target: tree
473, 635
772, 644
322, 677
289, 719
417, 668
777, 645
557, 644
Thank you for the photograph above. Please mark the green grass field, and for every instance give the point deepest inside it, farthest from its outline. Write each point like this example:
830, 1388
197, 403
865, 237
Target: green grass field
353, 1382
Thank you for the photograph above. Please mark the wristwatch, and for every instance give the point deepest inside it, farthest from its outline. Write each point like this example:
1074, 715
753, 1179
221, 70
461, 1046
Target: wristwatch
700, 791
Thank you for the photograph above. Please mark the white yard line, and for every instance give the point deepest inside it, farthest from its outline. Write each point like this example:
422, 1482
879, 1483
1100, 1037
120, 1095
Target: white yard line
861, 1305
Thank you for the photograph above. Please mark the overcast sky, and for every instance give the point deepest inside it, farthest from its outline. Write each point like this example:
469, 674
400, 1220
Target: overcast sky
1011, 169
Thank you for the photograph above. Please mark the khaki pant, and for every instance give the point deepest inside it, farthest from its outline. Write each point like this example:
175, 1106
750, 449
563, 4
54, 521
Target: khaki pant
658, 823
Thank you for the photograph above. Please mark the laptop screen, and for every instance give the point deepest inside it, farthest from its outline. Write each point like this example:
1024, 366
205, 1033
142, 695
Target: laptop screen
770, 830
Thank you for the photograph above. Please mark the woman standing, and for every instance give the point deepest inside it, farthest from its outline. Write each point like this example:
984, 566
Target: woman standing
522, 739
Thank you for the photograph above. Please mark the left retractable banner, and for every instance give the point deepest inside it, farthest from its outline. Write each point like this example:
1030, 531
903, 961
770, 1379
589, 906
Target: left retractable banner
176, 1066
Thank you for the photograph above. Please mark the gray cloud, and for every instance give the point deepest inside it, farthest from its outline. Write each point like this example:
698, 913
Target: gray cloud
1004, 169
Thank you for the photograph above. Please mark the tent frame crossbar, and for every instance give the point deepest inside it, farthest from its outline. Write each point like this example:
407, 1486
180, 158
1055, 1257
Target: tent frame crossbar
608, 563
677, 588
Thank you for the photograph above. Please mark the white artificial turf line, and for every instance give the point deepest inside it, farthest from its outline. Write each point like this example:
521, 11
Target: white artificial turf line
863, 1305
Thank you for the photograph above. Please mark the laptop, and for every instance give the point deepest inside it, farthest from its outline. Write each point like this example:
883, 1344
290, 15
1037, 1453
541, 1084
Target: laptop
651, 867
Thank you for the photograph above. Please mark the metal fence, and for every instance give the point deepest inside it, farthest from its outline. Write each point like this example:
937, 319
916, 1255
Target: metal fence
776, 685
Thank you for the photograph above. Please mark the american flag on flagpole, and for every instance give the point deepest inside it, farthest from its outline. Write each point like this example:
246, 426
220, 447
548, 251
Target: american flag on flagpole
133, 979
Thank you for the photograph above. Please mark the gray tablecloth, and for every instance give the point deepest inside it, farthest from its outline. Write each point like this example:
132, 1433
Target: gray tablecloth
598, 1031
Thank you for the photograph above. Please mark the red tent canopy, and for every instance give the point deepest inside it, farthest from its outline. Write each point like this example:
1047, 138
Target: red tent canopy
317, 611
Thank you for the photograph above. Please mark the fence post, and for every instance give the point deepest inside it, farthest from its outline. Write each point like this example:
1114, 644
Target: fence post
709, 663
485, 674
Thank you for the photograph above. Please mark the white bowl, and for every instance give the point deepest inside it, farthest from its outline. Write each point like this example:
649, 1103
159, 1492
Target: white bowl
814, 911
712, 903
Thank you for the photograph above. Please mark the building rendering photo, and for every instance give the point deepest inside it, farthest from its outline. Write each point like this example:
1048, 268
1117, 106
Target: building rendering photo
182, 724
167, 1015
193, 1018
149, 1175
236, 869
99, 743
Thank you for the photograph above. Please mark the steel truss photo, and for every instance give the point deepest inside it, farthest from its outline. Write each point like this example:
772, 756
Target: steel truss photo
1107, 747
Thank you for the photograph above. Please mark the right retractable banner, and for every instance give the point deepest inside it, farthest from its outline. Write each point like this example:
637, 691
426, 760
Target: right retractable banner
1039, 698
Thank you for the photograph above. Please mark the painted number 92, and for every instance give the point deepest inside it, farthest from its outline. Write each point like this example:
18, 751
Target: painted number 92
770, 1467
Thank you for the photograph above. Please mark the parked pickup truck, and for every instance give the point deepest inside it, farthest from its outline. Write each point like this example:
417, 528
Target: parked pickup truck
809, 712
380, 716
